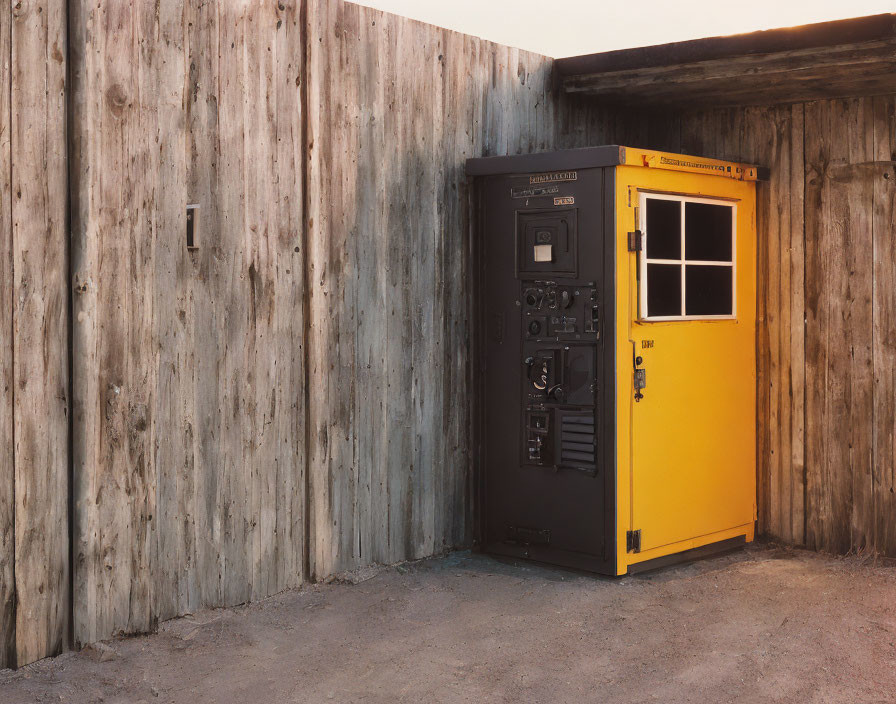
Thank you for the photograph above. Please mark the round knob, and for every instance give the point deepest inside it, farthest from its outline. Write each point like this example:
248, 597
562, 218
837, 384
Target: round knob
534, 327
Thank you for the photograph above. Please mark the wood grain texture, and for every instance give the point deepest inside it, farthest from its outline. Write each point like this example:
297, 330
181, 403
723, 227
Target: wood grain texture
7, 394
763, 79
189, 425
40, 327
114, 235
883, 224
838, 339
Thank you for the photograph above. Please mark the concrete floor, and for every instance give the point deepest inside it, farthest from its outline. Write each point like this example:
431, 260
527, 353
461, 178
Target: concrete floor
760, 625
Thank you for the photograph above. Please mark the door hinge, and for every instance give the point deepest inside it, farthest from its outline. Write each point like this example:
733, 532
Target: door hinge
633, 541
634, 241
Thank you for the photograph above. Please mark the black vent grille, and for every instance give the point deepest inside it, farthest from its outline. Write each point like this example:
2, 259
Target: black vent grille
577, 441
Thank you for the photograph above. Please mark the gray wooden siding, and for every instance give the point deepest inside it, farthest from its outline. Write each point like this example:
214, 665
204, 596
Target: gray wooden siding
189, 414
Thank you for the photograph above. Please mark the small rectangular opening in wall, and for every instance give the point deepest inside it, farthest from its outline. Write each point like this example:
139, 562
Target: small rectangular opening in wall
193, 226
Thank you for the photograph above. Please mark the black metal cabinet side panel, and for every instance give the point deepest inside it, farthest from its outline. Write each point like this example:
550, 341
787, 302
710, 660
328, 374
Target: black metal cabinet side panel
575, 507
610, 368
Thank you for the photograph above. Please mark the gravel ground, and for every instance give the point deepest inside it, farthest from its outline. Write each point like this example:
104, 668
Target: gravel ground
760, 625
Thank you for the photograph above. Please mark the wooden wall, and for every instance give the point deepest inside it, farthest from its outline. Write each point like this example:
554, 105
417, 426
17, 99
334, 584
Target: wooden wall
192, 486
188, 364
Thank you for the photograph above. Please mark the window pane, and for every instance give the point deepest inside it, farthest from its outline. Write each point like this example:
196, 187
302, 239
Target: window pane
663, 229
708, 290
663, 290
707, 232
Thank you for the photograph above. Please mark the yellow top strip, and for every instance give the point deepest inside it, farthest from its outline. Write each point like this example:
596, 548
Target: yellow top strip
631, 156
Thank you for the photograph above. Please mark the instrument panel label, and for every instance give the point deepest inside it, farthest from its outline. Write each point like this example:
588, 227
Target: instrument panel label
554, 177
534, 192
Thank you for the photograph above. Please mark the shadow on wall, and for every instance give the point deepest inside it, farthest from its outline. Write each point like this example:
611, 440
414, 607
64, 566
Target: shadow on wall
390, 330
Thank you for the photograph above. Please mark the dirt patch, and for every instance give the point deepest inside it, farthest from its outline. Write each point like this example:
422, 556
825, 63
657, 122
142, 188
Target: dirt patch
760, 625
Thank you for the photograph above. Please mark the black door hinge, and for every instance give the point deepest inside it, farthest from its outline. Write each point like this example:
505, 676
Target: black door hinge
633, 541
634, 241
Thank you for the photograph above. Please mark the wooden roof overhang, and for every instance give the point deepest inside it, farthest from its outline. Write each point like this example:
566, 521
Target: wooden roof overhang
846, 58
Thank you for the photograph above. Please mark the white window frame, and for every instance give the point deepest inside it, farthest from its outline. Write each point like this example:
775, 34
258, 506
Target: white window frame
683, 263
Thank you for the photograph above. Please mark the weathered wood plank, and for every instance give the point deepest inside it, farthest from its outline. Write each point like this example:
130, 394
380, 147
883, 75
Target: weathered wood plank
855, 197
785, 67
759, 144
84, 102
289, 327
883, 216
40, 327
823, 267
172, 552
779, 421
797, 355
784, 77
7, 303
327, 362
203, 165
838, 284
113, 252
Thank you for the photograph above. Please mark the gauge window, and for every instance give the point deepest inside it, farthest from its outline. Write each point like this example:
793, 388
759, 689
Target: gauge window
687, 267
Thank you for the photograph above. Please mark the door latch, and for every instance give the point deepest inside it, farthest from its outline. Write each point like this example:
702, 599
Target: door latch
640, 383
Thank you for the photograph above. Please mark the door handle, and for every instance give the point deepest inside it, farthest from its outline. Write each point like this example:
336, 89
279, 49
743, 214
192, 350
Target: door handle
640, 383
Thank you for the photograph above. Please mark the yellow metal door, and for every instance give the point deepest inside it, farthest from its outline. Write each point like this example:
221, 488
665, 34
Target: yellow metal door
687, 336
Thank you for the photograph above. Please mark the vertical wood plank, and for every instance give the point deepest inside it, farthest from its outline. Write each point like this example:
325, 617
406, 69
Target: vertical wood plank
856, 197
204, 266
817, 199
7, 303
884, 325
40, 327
289, 414
329, 363
838, 301
796, 294
759, 144
113, 250
173, 547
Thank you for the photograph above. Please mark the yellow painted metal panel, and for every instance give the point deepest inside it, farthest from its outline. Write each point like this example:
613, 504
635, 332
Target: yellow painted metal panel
686, 163
686, 452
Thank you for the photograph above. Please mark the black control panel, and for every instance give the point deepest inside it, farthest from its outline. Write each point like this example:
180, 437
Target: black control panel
546, 486
561, 327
